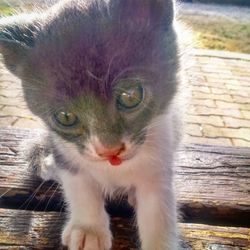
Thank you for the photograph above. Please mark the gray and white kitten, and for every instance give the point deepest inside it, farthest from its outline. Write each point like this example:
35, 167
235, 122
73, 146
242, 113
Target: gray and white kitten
102, 74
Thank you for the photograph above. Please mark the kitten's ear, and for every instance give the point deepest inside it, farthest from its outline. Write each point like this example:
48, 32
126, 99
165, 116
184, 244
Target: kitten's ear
13, 53
157, 13
16, 39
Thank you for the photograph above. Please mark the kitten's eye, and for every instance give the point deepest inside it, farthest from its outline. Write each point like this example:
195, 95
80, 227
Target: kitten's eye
66, 119
130, 98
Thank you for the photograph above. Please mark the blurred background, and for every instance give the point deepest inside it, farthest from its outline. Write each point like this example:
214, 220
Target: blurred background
219, 77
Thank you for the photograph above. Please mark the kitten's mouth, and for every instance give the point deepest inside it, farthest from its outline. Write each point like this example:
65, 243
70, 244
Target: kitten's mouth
113, 155
115, 160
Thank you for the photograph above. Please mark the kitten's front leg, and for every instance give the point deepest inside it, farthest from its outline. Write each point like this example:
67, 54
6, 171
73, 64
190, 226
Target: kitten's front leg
88, 226
156, 217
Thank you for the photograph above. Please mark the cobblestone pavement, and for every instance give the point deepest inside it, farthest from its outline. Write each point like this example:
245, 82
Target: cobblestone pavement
218, 113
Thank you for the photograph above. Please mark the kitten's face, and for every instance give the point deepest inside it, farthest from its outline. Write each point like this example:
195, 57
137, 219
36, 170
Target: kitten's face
98, 74
102, 125
101, 128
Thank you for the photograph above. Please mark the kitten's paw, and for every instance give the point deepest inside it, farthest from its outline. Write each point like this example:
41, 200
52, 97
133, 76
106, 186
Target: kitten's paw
81, 238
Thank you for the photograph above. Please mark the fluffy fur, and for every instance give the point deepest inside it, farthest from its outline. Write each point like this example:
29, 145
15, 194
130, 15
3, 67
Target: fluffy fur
80, 56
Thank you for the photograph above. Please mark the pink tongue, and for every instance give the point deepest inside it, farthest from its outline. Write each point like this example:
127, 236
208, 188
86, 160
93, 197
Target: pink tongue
115, 160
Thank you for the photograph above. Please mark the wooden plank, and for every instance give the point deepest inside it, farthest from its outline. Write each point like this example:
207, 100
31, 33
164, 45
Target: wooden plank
212, 182
19, 183
200, 236
41, 230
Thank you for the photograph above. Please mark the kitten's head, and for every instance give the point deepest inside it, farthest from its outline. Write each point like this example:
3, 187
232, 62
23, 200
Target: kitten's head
97, 72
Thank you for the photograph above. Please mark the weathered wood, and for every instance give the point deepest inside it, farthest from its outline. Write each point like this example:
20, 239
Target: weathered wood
41, 230
200, 236
213, 186
213, 183
19, 183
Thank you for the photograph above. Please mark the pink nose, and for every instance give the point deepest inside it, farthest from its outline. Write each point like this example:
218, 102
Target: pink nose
108, 152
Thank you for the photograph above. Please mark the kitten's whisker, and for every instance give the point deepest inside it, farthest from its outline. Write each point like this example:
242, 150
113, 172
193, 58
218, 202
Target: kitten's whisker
31, 197
6, 192
51, 186
109, 66
51, 197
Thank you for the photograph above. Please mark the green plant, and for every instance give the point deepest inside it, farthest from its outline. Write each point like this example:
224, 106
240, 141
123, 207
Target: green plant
219, 33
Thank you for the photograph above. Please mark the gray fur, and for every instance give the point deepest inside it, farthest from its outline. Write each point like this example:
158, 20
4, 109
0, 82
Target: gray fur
77, 47
79, 57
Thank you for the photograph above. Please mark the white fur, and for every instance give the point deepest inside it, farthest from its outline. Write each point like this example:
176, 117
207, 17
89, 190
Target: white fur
148, 170
149, 173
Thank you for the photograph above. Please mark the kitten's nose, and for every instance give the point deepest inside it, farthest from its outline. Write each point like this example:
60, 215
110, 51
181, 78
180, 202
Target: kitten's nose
108, 152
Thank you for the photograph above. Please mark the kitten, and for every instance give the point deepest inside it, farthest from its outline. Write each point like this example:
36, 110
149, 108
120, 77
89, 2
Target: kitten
102, 74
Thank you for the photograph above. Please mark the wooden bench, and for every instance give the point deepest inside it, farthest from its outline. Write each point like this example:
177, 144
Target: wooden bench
213, 186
